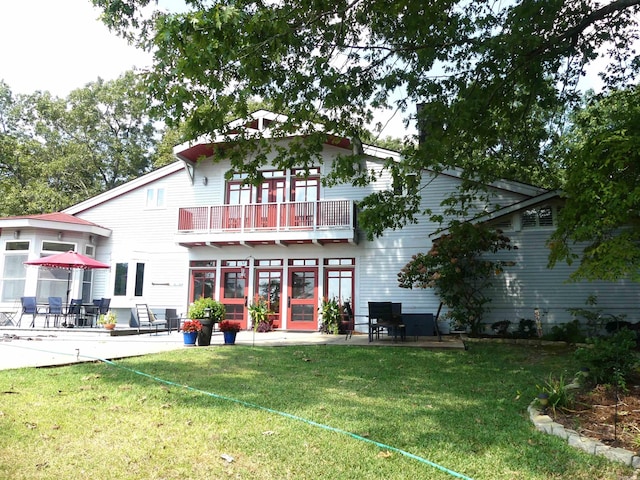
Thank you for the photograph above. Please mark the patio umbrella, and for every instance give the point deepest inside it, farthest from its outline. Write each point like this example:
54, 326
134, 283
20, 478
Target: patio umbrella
68, 261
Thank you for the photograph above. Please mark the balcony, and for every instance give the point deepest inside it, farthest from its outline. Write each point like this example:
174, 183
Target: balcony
321, 222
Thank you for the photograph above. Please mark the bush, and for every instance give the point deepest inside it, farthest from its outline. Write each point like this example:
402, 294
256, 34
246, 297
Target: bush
501, 328
610, 360
557, 393
526, 328
207, 308
568, 332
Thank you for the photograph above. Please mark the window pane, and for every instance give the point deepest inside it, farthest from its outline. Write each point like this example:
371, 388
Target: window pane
17, 246
139, 279
14, 276
57, 246
160, 198
120, 286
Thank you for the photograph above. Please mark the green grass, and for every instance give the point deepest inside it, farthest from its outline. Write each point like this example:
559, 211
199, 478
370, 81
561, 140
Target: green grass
463, 410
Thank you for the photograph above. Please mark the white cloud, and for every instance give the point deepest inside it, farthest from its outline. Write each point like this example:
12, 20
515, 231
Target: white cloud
59, 46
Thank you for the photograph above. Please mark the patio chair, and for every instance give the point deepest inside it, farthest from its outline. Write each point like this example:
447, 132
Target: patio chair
172, 318
53, 310
347, 324
103, 306
147, 319
380, 318
74, 311
29, 307
91, 313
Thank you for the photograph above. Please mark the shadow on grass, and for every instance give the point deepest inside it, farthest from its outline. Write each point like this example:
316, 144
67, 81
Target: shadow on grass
466, 408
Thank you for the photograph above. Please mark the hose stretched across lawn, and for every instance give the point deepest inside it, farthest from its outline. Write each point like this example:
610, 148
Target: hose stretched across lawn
259, 407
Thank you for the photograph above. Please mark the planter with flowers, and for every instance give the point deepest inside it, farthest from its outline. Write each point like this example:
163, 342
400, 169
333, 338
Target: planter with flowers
229, 330
108, 320
209, 312
190, 329
261, 315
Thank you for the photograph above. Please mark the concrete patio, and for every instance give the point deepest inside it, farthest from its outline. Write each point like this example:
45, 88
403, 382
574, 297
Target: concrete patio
49, 347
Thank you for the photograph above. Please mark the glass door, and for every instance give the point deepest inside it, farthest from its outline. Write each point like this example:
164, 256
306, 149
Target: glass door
303, 298
233, 295
268, 288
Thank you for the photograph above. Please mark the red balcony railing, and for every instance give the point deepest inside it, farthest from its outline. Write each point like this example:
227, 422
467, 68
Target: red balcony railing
320, 215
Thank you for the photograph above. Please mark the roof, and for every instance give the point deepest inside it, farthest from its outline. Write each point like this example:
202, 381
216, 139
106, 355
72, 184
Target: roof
256, 124
125, 188
54, 221
502, 212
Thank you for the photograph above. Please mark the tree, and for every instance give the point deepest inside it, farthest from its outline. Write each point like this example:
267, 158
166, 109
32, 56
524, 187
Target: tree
457, 271
494, 79
602, 210
56, 152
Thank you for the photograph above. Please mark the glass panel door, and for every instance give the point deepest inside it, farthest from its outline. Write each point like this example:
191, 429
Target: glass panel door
268, 287
233, 295
303, 298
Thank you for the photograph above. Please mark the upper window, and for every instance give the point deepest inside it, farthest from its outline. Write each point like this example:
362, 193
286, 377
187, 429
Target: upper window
155, 198
57, 247
538, 217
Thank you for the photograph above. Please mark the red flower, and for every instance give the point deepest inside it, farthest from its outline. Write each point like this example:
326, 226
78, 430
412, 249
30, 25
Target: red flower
228, 326
191, 326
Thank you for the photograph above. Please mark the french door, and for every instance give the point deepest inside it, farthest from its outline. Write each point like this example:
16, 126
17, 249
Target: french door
268, 287
303, 298
233, 295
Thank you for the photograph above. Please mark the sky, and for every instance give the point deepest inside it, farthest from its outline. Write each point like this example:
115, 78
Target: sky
58, 46
61, 45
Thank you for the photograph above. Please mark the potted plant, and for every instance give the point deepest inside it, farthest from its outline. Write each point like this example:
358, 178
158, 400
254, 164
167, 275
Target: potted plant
331, 316
260, 314
209, 312
229, 330
108, 320
190, 330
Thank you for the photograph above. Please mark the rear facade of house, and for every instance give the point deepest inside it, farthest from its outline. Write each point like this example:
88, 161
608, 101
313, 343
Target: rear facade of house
184, 231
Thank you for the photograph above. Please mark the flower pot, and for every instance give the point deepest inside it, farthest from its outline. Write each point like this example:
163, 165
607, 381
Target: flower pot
189, 338
229, 338
204, 335
109, 326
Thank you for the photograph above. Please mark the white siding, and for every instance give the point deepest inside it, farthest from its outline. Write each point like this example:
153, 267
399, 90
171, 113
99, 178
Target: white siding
143, 235
529, 284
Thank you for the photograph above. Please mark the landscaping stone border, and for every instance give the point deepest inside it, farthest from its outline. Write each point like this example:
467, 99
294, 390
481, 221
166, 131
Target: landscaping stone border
545, 424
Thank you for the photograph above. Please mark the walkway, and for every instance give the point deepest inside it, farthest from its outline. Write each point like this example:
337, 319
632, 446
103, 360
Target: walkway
48, 347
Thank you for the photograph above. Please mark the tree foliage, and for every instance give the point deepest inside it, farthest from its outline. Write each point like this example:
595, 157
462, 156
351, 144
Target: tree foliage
600, 222
56, 152
494, 79
457, 271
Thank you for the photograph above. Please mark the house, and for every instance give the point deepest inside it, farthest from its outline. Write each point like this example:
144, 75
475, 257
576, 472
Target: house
184, 231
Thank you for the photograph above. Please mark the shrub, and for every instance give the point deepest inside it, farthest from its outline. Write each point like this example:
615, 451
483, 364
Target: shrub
501, 328
207, 308
526, 328
458, 270
568, 332
611, 359
558, 394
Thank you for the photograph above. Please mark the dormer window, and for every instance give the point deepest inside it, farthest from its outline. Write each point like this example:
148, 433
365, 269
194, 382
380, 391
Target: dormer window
539, 217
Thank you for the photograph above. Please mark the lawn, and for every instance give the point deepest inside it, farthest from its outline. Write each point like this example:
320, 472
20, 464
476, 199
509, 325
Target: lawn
334, 412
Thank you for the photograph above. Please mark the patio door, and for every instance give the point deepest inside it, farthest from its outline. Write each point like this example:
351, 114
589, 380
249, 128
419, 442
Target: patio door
268, 287
233, 295
270, 195
303, 298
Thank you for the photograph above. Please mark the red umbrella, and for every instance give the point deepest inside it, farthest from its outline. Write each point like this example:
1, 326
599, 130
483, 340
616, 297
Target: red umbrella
68, 261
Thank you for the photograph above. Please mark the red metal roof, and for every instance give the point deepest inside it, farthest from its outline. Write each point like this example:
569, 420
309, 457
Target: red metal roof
52, 217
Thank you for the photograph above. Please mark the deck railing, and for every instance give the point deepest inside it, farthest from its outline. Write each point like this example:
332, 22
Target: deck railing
320, 215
